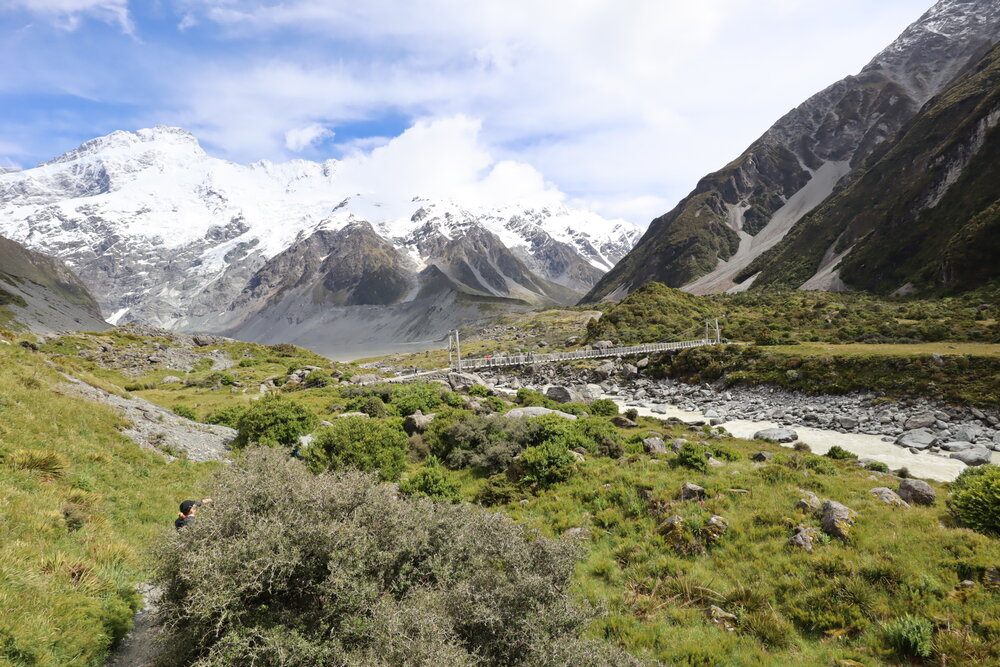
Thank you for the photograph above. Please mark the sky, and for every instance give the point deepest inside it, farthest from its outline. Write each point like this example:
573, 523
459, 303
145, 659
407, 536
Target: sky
619, 106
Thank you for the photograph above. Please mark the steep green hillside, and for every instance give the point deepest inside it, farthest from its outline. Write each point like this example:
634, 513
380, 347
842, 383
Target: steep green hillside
925, 211
40, 293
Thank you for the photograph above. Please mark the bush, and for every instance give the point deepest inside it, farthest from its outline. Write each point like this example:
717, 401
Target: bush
910, 636
498, 490
478, 390
50, 465
295, 569
604, 407
273, 421
975, 498
839, 453
802, 447
374, 407
693, 456
319, 378
432, 482
186, 412
228, 416
362, 443
600, 436
547, 464
876, 466
632, 414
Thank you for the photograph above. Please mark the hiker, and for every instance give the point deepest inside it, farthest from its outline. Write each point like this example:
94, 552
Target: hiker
188, 510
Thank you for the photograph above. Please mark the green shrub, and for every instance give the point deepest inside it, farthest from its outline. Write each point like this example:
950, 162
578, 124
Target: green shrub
374, 407
431, 481
184, 411
723, 453
547, 464
975, 498
802, 447
362, 443
319, 379
603, 407
632, 414
600, 436
693, 456
839, 453
294, 569
227, 379
876, 466
498, 490
273, 421
408, 398
228, 416
910, 636
478, 390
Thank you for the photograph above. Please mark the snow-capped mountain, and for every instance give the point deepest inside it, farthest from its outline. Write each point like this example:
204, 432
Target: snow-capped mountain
737, 214
163, 233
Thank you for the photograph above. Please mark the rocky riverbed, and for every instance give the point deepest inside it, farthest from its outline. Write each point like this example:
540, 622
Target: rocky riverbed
965, 434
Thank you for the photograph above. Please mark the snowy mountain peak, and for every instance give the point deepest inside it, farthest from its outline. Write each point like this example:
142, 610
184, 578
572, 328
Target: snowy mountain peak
121, 144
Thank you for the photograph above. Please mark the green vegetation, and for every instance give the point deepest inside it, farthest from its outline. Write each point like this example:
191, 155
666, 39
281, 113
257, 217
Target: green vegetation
377, 445
292, 568
432, 481
839, 453
80, 505
274, 421
975, 498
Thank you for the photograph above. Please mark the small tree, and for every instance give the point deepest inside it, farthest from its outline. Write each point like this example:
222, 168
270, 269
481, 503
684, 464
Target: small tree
274, 421
362, 443
432, 481
975, 498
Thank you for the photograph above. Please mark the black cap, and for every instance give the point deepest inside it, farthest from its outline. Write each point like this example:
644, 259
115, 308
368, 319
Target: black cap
188, 504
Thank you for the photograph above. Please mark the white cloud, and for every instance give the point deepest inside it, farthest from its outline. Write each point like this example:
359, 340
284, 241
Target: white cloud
67, 14
298, 139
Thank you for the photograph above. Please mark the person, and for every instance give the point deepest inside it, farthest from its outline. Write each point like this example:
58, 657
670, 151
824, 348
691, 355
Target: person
188, 509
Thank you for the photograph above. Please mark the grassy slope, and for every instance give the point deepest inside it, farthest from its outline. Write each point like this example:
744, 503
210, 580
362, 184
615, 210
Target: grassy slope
794, 608
73, 545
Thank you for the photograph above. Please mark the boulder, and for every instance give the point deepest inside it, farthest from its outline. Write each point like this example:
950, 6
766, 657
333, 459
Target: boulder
463, 381
920, 420
809, 501
418, 422
537, 411
353, 414
976, 456
888, 496
919, 438
602, 345
171, 379
561, 394
916, 492
629, 371
621, 421
691, 492
967, 433
590, 392
956, 446
715, 529
847, 423
577, 456
804, 537
654, 446
642, 363
604, 371
365, 378
837, 520
777, 435
762, 457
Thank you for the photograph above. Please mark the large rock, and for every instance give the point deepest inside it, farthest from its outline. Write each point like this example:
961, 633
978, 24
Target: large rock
847, 423
804, 537
604, 371
621, 421
957, 446
919, 438
762, 457
920, 420
691, 492
561, 394
837, 520
602, 345
976, 456
888, 496
916, 492
777, 435
537, 411
654, 446
418, 422
966, 433
715, 529
809, 501
364, 378
590, 392
463, 381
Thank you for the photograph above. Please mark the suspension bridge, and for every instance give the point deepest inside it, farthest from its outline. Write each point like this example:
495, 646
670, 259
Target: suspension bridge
596, 351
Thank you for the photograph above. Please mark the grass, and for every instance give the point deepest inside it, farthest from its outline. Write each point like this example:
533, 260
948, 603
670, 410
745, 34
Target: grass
79, 505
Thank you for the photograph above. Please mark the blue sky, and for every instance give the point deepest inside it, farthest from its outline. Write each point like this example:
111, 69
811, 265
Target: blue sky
620, 110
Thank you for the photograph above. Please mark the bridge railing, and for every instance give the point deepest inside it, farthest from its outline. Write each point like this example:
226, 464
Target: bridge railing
532, 358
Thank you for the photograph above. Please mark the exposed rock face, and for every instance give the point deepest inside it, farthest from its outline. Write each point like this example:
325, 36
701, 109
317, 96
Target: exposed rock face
42, 295
777, 435
917, 491
736, 214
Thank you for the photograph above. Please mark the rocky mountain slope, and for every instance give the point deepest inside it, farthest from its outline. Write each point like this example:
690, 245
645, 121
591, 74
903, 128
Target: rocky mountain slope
41, 294
924, 215
739, 212
167, 235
